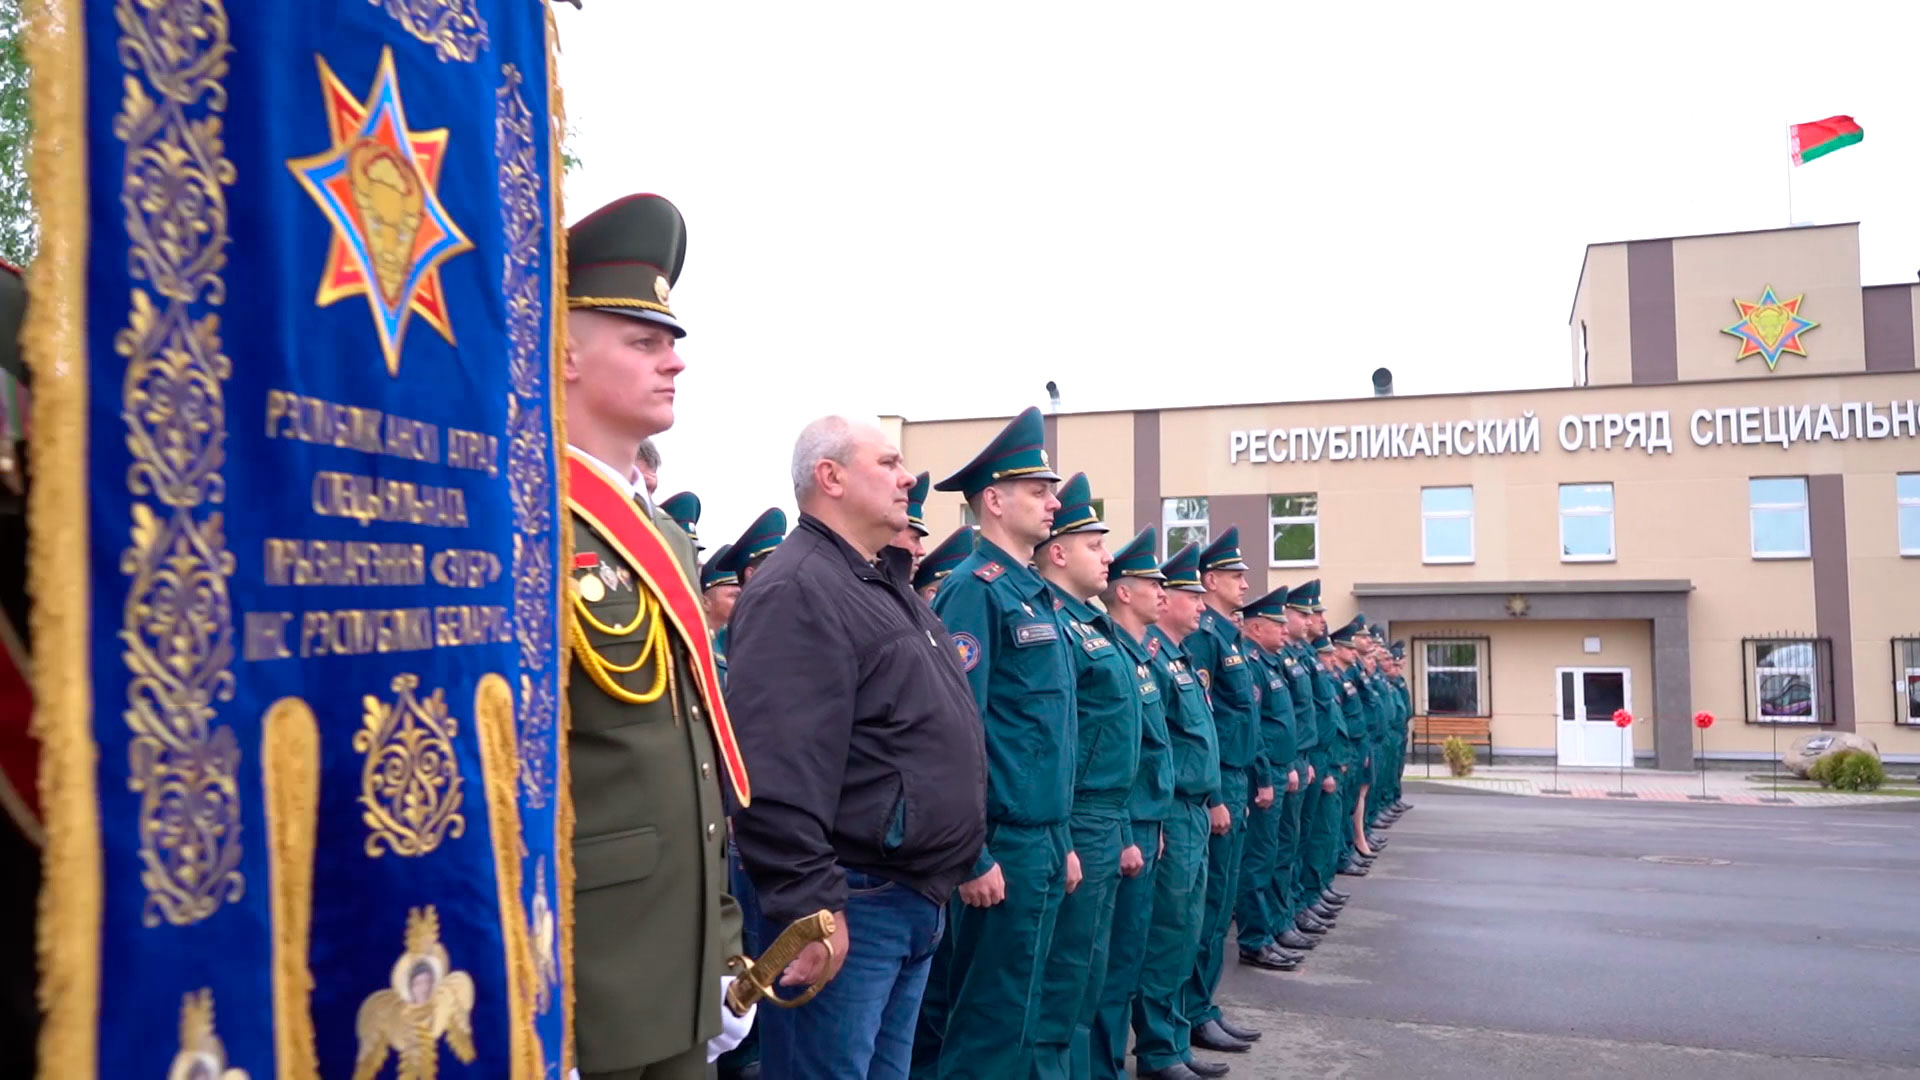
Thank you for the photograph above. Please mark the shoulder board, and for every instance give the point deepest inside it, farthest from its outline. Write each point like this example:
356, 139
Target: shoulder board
990, 571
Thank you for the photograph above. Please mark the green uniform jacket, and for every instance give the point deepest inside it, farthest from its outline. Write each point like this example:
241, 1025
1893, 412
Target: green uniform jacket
720, 654
1217, 654
1279, 745
1107, 700
1353, 710
1298, 671
1016, 657
1196, 747
1333, 719
653, 924
1152, 796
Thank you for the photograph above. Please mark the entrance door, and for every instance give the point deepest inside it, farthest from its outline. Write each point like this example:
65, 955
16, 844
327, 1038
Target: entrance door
1588, 698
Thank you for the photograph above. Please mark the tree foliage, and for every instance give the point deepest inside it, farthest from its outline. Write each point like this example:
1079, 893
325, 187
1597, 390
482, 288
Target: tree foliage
19, 227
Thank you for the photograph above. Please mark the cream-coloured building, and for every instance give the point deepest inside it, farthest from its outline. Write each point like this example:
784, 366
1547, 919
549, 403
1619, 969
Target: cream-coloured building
1683, 528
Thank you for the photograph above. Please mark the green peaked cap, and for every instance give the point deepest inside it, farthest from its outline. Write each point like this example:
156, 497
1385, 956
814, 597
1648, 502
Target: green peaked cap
917, 503
684, 509
1224, 552
942, 560
1136, 559
1182, 570
716, 571
1271, 606
625, 258
1019, 452
761, 537
1076, 513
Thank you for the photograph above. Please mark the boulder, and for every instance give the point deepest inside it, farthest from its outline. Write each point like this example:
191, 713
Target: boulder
1808, 749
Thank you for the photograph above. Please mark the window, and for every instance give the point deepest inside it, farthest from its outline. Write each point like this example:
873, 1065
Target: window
1586, 522
1778, 506
1099, 508
966, 516
1907, 489
1293, 529
1453, 677
1789, 680
1906, 680
1183, 522
1586, 375
1446, 524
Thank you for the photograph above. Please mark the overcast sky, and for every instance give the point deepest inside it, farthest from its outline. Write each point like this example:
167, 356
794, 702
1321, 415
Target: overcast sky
932, 209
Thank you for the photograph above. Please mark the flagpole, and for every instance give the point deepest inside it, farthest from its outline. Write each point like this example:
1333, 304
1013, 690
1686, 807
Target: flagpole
1789, 176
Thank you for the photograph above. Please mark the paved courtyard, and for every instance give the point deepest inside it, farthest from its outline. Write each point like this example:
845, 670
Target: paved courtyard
1529, 937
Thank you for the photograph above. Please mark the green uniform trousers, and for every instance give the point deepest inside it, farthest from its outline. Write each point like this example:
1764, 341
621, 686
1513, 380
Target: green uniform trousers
1315, 868
1357, 776
1325, 845
1253, 912
1126, 959
691, 1065
993, 975
1283, 900
1179, 906
1076, 966
1223, 884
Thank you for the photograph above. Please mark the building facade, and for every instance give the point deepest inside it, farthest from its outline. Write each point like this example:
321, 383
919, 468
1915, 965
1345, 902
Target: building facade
1721, 513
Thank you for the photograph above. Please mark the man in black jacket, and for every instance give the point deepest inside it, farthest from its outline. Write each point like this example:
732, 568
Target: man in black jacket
869, 773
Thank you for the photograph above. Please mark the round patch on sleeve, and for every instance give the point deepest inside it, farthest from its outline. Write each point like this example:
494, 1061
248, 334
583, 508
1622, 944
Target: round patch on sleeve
969, 648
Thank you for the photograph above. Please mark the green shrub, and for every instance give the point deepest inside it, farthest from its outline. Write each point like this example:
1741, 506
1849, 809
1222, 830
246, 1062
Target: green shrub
1459, 756
1849, 770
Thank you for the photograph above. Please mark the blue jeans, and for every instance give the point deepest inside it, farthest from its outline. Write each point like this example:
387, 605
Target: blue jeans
862, 1024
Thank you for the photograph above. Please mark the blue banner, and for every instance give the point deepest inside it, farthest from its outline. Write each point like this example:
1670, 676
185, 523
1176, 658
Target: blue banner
293, 332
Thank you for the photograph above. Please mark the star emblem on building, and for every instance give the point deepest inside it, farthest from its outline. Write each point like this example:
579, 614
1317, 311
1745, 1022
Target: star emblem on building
1770, 327
378, 185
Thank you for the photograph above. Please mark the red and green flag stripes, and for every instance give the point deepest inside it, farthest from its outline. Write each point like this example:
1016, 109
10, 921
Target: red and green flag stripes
1823, 137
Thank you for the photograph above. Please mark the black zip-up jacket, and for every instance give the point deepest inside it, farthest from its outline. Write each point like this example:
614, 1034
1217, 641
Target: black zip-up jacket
858, 729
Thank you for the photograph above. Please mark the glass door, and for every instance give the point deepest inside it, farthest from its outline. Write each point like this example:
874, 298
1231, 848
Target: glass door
1585, 733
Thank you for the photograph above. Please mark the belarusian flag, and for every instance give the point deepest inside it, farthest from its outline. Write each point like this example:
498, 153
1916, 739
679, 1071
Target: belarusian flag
1823, 137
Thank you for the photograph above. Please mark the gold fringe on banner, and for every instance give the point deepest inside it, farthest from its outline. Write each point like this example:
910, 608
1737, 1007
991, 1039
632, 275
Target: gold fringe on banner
493, 722
290, 782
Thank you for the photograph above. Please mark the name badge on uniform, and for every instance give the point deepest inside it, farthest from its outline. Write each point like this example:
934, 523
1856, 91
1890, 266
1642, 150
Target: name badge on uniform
1183, 678
1233, 659
1273, 683
1035, 633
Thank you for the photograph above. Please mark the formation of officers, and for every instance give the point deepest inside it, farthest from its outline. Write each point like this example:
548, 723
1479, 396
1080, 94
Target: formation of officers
1168, 758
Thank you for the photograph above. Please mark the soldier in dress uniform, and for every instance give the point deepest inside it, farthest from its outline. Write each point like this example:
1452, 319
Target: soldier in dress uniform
1133, 598
20, 833
1074, 560
650, 746
684, 508
1016, 656
1219, 658
913, 536
1359, 761
1312, 885
939, 562
1162, 1046
719, 588
1397, 656
1262, 913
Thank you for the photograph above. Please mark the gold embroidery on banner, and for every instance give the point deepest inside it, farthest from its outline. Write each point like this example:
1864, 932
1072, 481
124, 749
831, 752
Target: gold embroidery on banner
410, 784
178, 622
425, 1001
530, 444
493, 719
290, 783
453, 27
201, 1056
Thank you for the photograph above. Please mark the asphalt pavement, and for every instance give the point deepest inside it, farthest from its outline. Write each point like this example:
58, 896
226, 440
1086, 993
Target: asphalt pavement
1527, 937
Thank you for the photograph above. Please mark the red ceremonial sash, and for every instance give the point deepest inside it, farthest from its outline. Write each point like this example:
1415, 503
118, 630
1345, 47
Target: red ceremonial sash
618, 520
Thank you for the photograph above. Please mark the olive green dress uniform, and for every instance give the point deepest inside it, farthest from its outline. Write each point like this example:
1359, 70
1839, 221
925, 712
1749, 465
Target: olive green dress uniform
1017, 657
1160, 1028
1218, 653
1106, 759
1261, 912
1148, 805
653, 923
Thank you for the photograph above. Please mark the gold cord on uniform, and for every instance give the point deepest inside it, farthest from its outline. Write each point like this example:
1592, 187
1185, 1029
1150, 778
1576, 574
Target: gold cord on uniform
602, 671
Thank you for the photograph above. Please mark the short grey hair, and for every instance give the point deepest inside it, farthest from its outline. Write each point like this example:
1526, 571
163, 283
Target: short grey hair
647, 456
830, 438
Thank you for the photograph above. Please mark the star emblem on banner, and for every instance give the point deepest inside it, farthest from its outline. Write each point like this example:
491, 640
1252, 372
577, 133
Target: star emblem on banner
379, 186
1770, 327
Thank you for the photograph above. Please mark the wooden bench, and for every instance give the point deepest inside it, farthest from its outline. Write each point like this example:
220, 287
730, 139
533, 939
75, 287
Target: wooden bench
1434, 731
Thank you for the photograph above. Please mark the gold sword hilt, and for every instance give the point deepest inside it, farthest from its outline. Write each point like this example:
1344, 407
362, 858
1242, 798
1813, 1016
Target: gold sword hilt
754, 979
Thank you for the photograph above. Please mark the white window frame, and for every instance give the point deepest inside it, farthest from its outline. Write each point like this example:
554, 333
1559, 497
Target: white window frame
1905, 502
1806, 521
1274, 521
1810, 672
1906, 662
1168, 524
1478, 668
1448, 515
1613, 534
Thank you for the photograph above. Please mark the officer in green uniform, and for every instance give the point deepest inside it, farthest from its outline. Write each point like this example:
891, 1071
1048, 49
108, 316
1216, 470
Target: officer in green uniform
1019, 660
1396, 675
684, 508
719, 588
1218, 654
1338, 835
1162, 1045
1373, 707
1133, 598
1346, 678
1075, 561
1264, 910
1311, 886
911, 538
939, 563
650, 748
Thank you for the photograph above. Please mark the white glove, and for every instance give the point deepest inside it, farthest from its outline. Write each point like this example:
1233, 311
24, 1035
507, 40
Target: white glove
733, 1029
